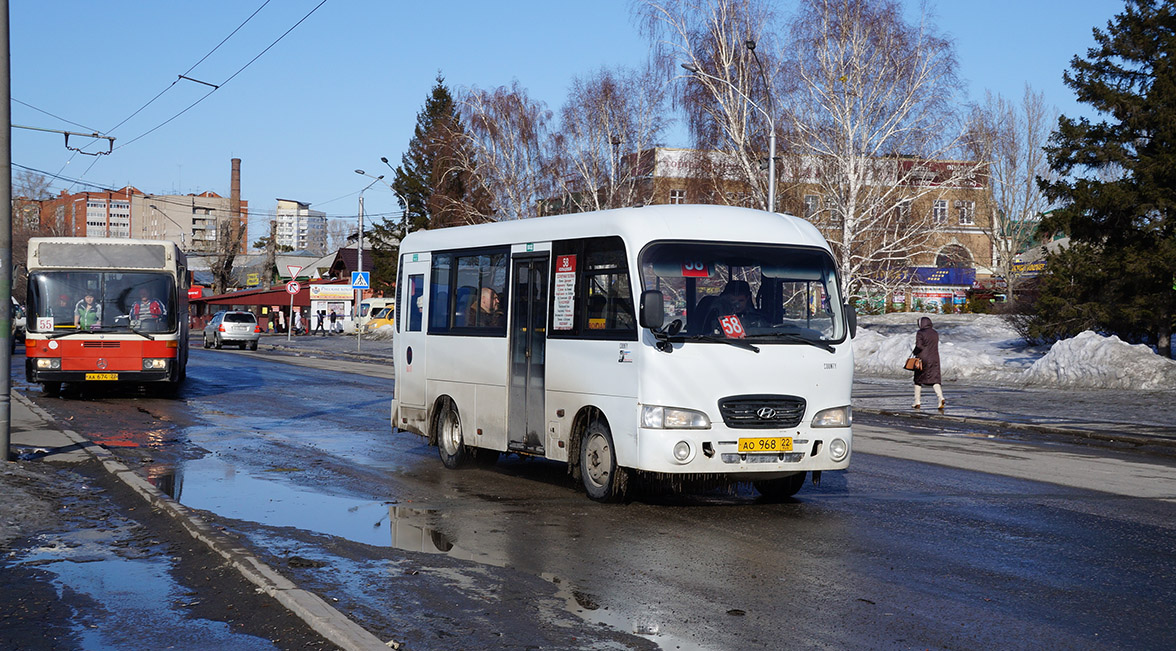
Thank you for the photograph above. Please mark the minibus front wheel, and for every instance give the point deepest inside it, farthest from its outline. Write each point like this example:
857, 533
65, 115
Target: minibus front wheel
603, 479
775, 490
450, 443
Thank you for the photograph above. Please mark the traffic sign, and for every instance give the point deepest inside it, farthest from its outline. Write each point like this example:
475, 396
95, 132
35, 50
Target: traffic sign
360, 279
294, 270
292, 287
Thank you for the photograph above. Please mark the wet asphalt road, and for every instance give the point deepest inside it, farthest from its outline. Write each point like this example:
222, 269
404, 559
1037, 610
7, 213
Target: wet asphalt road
914, 547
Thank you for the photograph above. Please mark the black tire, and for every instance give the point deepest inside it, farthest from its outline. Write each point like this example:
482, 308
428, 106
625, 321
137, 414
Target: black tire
51, 388
219, 343
450, 443
204, 340
603, 479
253, 345
780, 489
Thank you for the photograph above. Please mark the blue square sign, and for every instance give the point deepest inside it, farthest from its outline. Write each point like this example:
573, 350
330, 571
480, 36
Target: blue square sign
360, 280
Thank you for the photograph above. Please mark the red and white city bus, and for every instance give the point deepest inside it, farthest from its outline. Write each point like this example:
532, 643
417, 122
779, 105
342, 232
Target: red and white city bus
106, 310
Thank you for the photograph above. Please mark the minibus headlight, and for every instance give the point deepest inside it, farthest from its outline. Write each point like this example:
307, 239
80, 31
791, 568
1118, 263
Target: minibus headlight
152, 364
838, 448
49, 363
835, 417
655, 417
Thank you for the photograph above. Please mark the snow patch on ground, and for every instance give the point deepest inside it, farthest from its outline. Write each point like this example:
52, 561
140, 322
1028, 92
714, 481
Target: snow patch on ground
985, 348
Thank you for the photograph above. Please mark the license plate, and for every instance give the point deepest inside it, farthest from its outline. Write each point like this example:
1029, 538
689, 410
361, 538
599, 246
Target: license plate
774, 444
101, 376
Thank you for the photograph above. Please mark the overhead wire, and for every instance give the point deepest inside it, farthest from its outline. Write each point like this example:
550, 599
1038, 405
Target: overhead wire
231, 77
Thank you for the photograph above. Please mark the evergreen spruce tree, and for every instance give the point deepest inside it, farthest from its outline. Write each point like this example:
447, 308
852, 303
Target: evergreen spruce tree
1117, 184
436, 193
425, 177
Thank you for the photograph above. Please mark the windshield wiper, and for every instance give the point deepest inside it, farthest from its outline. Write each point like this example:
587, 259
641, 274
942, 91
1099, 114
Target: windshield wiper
738, 343
799, 339
57, 335
143, 334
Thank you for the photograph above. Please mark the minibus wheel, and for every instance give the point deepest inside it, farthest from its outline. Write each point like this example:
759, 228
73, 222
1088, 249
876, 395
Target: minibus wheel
450, 443
51, 388
603, 480
778, 489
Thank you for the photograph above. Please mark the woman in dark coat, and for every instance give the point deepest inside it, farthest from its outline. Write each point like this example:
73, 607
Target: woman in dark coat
927, 349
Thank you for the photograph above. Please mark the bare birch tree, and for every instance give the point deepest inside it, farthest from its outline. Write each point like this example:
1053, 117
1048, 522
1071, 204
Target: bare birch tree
728, 107
1011, 139
603, 147
501, 152
873, 102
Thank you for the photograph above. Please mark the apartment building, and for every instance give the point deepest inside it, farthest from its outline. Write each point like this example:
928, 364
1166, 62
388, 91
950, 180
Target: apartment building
189, 220
301, 228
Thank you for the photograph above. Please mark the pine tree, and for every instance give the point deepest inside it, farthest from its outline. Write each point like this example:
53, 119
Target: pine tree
1117, 176
425, 177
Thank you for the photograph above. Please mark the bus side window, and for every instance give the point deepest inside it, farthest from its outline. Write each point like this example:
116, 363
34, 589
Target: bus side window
416, 289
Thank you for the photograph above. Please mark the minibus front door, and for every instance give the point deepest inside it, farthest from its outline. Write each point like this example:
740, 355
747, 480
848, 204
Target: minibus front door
528, 346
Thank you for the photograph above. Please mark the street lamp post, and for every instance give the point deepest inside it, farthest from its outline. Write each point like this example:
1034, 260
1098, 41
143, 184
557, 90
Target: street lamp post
771, 122
359, 257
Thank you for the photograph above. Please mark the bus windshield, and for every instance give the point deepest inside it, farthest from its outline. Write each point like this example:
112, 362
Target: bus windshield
761, 293
90, 301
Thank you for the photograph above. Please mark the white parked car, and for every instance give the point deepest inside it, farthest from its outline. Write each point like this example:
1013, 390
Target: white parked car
232, 327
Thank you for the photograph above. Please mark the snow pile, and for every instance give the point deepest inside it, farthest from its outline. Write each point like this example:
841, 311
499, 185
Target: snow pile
983, 348
1091, 360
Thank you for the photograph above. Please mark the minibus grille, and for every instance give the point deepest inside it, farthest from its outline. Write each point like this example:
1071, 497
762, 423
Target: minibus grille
762, 411
100, 344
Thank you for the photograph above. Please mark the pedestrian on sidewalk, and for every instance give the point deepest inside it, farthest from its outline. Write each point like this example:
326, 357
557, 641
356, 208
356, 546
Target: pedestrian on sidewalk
334, 316
927, 350
322, 325
298, 321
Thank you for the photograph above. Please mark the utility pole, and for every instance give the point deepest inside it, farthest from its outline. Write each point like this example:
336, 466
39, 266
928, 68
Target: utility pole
5, 239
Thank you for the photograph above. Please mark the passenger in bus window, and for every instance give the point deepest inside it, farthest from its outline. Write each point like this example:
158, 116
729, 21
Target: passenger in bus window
87, 313
488, 311
61, 310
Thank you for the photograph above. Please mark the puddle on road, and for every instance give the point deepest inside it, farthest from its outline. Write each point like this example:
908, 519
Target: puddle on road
213, 485
138, 599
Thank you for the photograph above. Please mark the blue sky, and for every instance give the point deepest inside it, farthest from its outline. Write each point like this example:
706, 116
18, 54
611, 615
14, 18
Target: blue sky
344, 87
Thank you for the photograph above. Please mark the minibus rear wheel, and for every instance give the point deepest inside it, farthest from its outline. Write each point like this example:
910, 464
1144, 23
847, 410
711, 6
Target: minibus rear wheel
450, 443
603, 479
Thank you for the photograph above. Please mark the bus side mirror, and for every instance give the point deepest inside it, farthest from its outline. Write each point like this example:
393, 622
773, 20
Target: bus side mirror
851, 316
653, 309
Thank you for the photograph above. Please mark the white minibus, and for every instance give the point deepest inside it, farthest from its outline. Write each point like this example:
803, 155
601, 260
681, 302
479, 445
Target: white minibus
677, 343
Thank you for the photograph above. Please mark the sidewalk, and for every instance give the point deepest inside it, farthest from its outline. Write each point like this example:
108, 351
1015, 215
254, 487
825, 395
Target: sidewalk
1133, 417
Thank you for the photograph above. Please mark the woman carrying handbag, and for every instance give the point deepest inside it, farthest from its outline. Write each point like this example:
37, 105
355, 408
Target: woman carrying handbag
927, 373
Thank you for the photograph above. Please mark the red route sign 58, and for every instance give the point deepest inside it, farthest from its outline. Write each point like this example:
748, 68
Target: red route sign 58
292, 287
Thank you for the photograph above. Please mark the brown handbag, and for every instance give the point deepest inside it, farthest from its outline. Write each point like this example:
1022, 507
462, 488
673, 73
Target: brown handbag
913, 363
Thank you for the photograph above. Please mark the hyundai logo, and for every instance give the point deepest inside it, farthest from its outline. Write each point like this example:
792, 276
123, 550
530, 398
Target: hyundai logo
766, 413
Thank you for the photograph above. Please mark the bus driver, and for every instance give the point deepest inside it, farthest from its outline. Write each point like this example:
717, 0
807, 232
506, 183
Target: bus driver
147, 308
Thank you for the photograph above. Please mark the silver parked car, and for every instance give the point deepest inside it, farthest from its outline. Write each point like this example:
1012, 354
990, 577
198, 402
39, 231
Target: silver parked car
232, 327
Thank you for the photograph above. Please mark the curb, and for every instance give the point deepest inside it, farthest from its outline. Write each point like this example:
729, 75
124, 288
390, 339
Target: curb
1093, 435
333, 625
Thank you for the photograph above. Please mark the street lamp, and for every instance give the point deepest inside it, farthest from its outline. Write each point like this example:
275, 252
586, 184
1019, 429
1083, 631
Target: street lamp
690, 67
384, 159
359, 254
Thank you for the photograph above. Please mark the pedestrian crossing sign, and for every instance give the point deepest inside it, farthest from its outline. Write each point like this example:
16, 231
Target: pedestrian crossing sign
360, 280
